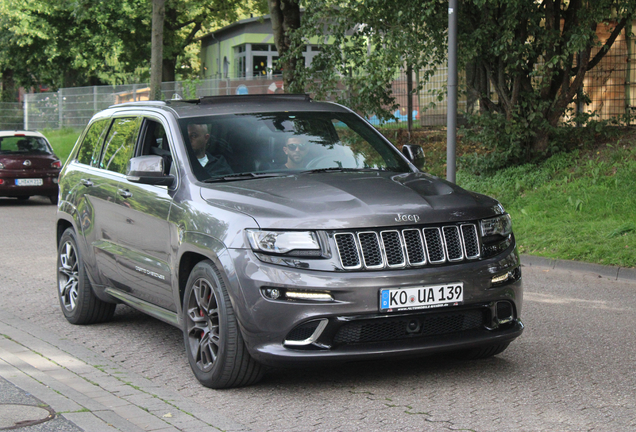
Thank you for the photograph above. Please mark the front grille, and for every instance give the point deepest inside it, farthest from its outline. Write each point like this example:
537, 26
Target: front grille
412, 326
408, 247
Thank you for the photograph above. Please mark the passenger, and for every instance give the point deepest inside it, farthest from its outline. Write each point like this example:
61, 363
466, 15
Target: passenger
213, 164
296, 150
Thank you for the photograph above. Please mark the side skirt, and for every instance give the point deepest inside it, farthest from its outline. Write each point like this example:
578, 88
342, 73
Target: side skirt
145, 307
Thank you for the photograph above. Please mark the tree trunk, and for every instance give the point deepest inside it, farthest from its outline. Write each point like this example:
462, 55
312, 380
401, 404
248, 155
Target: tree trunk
156, 58
169, 76
9, 93
285, 16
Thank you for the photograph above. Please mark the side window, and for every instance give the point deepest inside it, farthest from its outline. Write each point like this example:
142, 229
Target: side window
120, 144
88, 153
155, 142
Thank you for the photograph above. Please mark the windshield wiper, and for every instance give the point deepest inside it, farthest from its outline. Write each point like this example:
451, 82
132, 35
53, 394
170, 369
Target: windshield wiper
242, 176
319, 170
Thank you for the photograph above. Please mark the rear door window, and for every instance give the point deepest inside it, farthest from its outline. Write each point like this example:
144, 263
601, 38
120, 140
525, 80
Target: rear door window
91, 146
120, 144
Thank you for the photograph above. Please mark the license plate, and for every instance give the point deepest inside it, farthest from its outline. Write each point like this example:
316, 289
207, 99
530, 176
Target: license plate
29, 182
423, 297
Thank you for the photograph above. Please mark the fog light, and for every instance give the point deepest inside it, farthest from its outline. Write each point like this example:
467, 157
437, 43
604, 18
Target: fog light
274, 293
500, 279
55, 180
304, 295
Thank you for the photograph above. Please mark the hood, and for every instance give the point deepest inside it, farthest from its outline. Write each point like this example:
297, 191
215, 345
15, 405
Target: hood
346, 200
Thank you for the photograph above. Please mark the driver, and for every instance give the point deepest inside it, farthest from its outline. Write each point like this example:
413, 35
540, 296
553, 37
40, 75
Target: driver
199, 137
296, 150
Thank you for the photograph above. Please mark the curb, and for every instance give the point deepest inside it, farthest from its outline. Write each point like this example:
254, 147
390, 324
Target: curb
622, 274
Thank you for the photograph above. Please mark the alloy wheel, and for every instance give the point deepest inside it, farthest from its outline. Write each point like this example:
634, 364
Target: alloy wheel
203, 324
68, 276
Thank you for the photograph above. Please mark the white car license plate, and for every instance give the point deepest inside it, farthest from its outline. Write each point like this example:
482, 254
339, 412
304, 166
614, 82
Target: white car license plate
424, 297
29, 182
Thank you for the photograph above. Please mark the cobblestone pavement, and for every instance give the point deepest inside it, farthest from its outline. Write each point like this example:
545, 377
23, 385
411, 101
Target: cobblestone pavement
571, 370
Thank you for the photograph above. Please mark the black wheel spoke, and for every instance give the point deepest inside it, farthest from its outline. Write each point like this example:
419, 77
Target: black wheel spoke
202, 316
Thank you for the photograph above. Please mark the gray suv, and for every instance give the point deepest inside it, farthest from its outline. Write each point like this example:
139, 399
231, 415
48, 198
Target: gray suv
276, 230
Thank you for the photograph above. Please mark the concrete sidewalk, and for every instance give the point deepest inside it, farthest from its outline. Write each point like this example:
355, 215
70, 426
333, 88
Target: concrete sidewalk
66, 387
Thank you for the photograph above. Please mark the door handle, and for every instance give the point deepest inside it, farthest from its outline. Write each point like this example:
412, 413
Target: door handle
125, 193
87, 182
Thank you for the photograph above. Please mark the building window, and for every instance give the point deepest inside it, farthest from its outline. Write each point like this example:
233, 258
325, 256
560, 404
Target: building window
260, 65
240, 63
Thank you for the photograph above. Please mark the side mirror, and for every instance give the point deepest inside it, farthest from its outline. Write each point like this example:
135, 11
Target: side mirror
415, 154
148, 170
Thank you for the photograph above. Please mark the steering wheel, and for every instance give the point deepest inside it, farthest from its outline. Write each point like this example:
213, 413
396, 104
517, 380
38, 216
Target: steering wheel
320, 162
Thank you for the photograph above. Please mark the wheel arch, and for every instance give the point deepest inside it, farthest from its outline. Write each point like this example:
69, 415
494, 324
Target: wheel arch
197, 247
62, 225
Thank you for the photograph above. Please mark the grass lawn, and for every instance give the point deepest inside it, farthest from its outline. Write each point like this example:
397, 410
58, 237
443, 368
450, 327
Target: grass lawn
62, 141
577, 206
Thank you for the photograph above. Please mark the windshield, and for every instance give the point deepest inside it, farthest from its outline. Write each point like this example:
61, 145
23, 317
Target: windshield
24, 145
224, 147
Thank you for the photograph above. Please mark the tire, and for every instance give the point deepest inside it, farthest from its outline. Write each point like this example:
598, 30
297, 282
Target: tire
482, 352
77, 299
53, 199
213, 341
23, 198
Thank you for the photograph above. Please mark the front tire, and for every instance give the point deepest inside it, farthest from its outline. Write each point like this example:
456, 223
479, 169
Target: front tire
77, 299
213, 341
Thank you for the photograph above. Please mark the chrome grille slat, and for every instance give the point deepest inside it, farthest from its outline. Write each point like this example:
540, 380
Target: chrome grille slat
470, 241
414, 247
409, 247
371, 252
393, 250
348, 251
434, 245
452, 243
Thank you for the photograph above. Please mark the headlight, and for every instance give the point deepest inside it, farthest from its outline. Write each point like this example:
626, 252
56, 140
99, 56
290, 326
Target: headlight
500, 225
1, 165
282, 242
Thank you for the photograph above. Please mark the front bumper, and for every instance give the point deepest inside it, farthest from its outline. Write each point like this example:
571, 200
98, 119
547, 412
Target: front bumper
268, 325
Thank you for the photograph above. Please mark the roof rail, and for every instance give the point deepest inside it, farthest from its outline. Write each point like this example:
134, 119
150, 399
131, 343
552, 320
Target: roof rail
208, 100
139, 103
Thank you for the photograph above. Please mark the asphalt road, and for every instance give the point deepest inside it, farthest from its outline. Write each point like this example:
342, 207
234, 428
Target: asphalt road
573, 369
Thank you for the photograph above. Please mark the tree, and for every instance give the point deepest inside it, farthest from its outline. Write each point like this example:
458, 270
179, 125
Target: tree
285, 16
186, 19
71, 43
156, 57
534, 54
368, 42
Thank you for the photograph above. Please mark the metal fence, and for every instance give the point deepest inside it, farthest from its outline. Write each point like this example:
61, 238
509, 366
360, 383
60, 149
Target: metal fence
11, 115
74, 107
610, 88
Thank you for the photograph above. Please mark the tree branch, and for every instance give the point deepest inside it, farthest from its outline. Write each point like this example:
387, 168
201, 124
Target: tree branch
608, 44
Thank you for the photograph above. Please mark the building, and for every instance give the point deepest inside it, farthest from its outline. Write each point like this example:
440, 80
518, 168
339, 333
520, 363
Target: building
244, 49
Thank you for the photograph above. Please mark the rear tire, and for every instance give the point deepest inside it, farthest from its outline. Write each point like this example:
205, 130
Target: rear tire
216, 351
53, 199
23, 198
77, 299
482, 352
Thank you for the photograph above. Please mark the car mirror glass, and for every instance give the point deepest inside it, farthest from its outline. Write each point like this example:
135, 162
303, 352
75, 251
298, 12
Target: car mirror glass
415, 154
